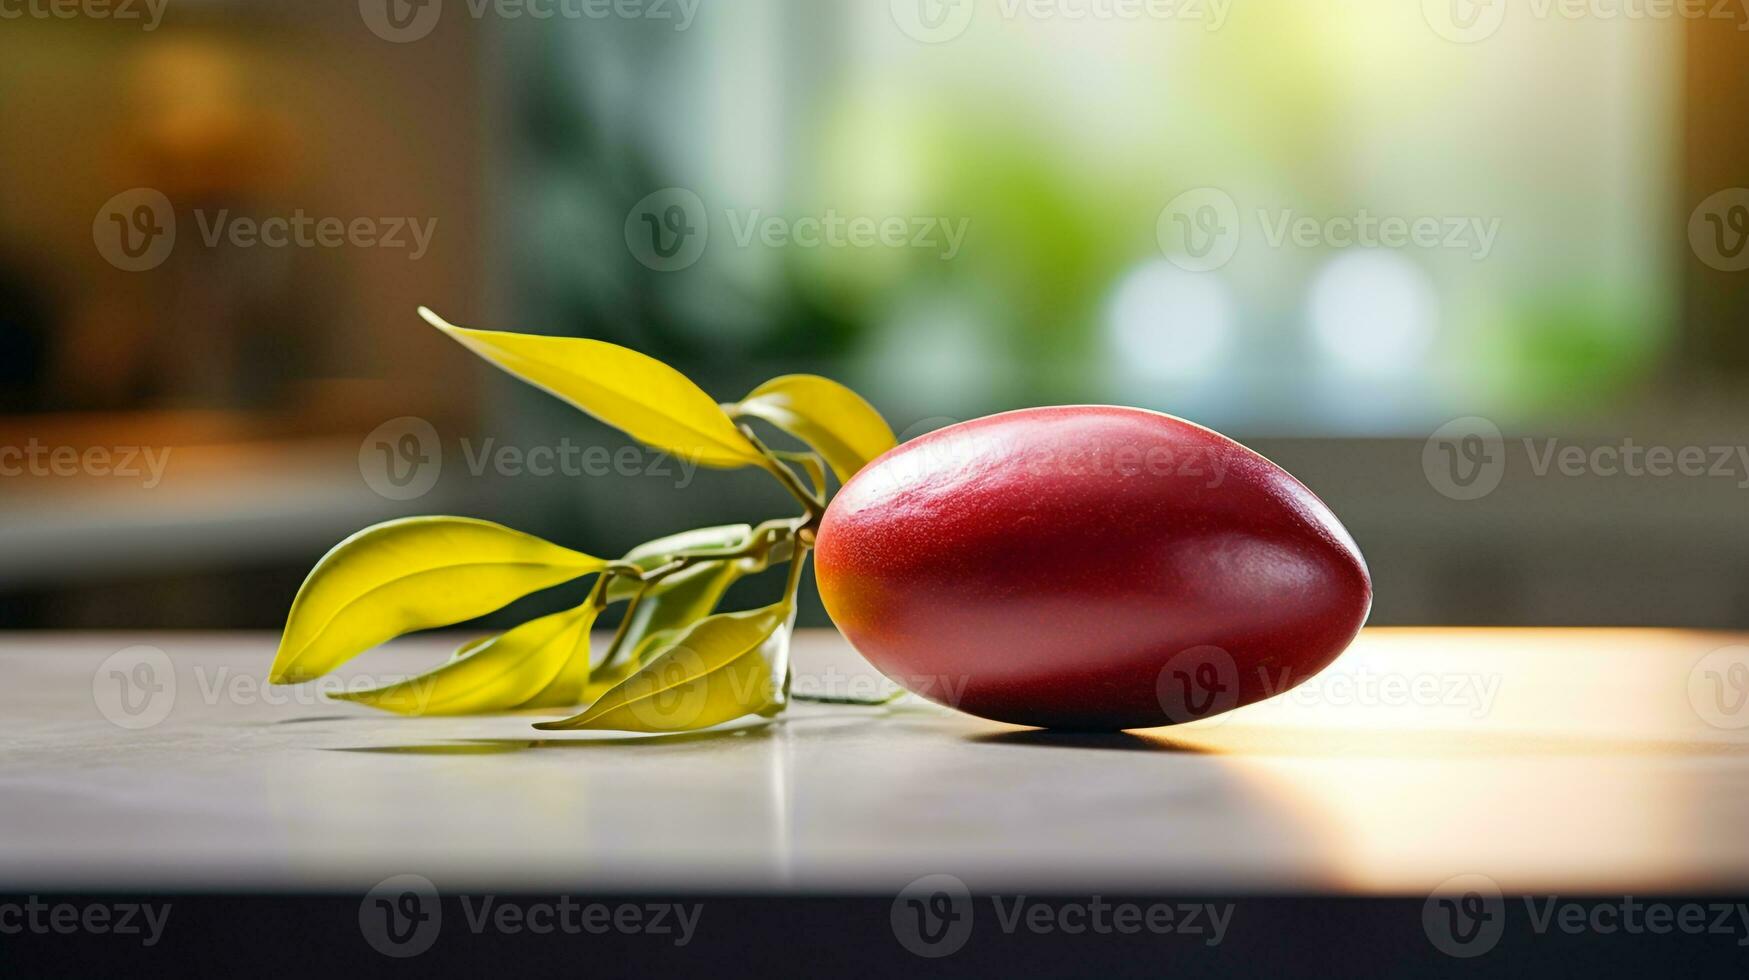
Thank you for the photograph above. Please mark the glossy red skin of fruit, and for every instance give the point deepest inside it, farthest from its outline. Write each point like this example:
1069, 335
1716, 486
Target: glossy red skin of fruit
1088, 568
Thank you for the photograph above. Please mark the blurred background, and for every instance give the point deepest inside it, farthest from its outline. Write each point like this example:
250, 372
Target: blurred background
1328, 229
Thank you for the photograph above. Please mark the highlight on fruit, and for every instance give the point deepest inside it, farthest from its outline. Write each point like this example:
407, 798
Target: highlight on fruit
1076, 567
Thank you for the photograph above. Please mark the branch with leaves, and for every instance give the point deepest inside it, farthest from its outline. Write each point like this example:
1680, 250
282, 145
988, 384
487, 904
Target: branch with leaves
674, 663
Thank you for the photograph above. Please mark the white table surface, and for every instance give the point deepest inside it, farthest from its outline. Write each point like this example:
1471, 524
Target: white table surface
1547, 759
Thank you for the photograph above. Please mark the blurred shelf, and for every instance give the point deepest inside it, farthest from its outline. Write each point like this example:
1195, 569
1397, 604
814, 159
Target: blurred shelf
215, 506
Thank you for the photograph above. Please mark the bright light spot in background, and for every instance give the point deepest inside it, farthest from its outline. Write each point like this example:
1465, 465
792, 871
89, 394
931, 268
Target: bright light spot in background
1165, 322
1373, 312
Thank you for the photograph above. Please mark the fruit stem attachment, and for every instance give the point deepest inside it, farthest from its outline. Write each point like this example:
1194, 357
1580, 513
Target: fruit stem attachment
786, 476
765, 540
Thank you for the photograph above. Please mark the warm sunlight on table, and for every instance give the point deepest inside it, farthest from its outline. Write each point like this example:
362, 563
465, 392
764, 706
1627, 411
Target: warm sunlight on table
1547, 759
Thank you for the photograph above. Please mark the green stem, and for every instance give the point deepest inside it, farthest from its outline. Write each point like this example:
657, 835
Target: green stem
598, 592
810, 464
791, 584
789, 595
859, 702
786, 476
625, 624
759, 545
794, 581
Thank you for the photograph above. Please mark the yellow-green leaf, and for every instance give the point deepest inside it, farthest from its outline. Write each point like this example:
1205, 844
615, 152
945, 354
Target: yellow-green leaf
605, 678
826, 415
725, 537
724, 667
544, 663
635, 393
412, 574
677, 602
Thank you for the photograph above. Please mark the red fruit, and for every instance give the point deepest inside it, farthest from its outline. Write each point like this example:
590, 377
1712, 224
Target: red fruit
1088, 568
